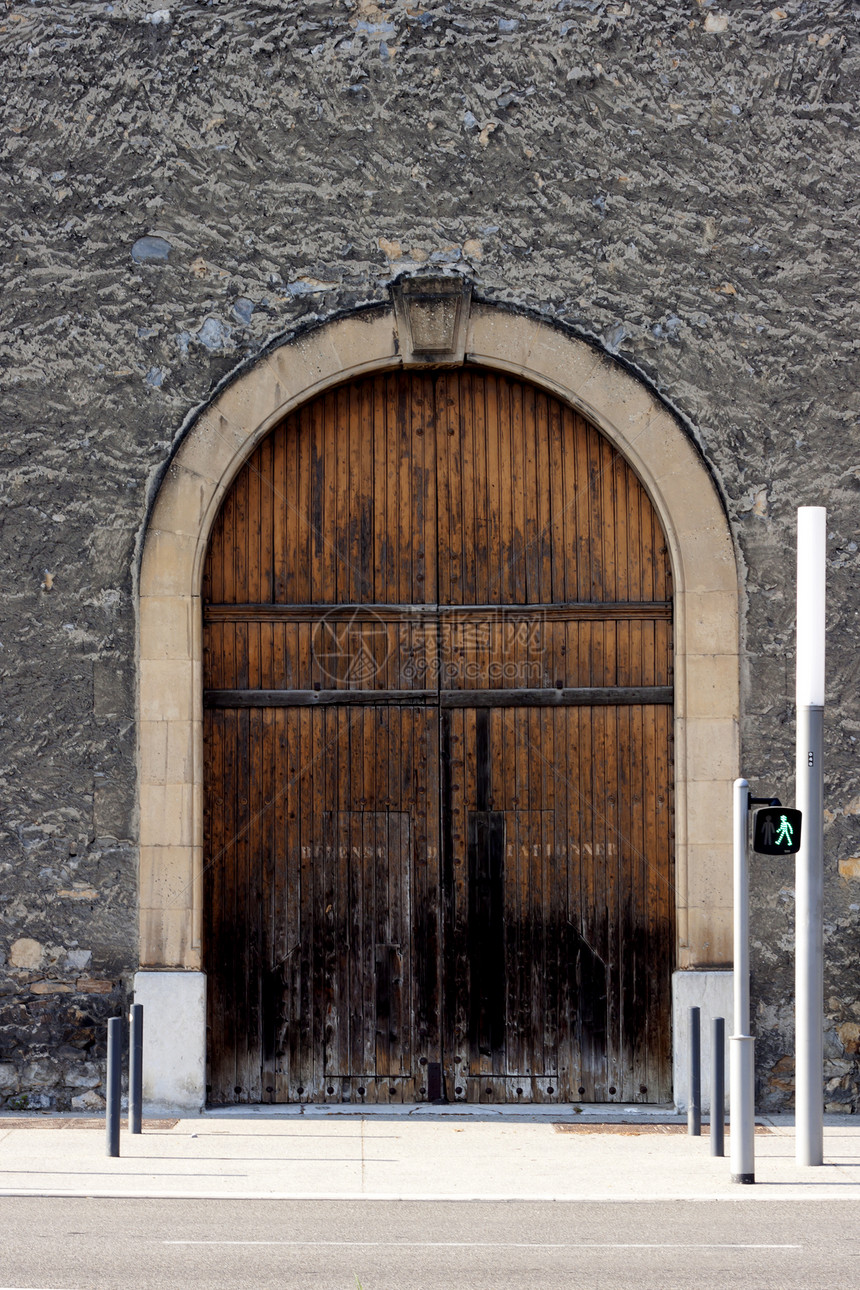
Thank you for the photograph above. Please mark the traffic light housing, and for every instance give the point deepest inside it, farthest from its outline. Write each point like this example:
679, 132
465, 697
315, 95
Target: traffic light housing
776, 831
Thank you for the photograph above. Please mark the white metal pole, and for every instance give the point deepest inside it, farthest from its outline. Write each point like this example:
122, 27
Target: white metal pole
809, 957
741, 1043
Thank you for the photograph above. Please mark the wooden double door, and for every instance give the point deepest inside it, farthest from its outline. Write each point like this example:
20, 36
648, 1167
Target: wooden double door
437, 723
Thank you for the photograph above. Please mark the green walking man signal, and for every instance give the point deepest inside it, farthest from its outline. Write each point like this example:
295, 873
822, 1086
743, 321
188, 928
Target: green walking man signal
776, 831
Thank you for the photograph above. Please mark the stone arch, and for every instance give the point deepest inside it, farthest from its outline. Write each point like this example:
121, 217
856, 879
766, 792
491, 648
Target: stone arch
170, 649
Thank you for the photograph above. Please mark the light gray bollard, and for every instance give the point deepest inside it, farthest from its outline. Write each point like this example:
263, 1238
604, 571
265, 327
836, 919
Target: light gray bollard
694, 1104
718, 1086
135, 1068
114, 1083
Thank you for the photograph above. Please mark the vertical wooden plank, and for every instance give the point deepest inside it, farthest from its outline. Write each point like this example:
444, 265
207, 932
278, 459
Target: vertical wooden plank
468, 469
455, 972
344, 413
578, 512
649, 661
463, 728
507, 396
497, 549
304, 1055
494, 795
266, 467
365, 572
388, 427
401, 999
522, 426
618, 1074
285, 902
298, 583
649, 917
624, 653
567, 833
593, 441
553, 886
543, 503
636, 1012
520, 803
458, 524
622, 480
535, 489
254, 526
244, 903
378, 876
623, 901
561, 480
338, 438
447, 556
405, 481
601, 807
664, 952
318, 480
374, 415
282, 514
271, 979
425, 538
537, 911
429, 781
355, 947
342, 1020
587, 922
240, 540
635, 501
607, 458
481, 479
250, 634
412, 772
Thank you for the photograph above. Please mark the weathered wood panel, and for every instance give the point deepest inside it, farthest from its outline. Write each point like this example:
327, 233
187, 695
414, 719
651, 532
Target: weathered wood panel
437, 657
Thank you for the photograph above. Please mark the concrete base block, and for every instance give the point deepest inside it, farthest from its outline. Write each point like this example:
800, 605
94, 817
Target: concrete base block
174, 1040
711, 991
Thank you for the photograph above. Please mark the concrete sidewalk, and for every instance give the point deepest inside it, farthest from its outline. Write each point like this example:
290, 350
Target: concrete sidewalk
312, 1153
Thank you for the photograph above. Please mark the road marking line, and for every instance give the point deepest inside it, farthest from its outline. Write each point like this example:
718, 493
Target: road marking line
510, 1245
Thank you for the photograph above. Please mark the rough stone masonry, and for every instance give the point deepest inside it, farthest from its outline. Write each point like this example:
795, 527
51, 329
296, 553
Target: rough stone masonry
183, 187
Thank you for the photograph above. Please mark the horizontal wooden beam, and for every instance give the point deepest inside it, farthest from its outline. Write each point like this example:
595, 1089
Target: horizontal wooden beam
318, 698
573, 611
590, 696
580, 697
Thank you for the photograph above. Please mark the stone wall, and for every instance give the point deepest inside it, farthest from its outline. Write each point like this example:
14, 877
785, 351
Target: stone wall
53, 1028
183, 187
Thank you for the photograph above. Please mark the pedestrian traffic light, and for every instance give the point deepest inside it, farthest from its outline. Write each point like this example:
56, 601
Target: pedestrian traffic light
776, 831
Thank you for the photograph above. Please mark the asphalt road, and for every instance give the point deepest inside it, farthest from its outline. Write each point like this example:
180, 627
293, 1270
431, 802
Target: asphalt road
48, 1244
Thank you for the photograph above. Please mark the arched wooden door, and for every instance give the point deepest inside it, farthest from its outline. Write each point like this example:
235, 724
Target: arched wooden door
438, 723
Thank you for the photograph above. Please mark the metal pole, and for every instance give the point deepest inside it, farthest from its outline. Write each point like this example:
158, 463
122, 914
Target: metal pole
809, 955
741, 1044
718, 1086
694, 1106
135, 1068
114, 1083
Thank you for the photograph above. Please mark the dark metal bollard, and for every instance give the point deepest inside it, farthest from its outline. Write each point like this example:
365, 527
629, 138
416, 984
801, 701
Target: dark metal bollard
114, 1083
718, 1086
694, 1105
135, 1068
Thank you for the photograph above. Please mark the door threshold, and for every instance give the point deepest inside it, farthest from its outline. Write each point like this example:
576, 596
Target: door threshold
578, 1112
